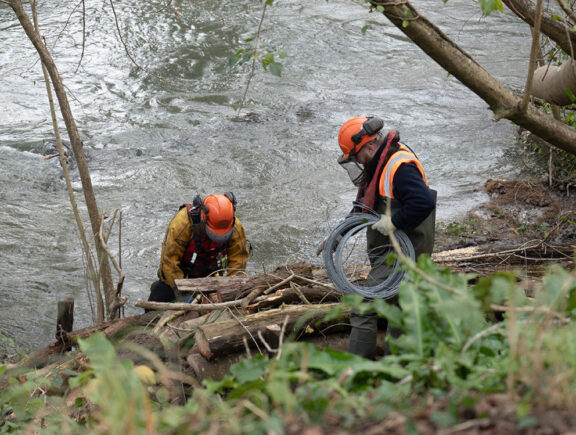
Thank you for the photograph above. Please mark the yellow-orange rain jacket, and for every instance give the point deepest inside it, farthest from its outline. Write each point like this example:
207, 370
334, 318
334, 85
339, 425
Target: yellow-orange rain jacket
178, 236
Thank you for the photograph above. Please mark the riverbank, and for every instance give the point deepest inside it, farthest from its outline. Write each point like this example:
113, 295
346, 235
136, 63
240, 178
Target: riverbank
518, 211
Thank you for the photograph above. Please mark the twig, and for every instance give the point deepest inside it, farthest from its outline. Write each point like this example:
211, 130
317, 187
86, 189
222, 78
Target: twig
83, 35
468, 425
245, 329
299, 292
533, 52
265, 343
280, 284
481, 334
256, 41
281, 339
118, 300
569, 13
312, 281
543, 310
120, 36
184, 306
168, 318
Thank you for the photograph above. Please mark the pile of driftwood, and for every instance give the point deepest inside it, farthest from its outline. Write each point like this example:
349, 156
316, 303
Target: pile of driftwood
234, 317
531, 258
229, 319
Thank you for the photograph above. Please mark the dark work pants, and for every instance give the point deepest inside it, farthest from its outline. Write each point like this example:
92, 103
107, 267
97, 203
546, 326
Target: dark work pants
364, 333
365, 327
161, 292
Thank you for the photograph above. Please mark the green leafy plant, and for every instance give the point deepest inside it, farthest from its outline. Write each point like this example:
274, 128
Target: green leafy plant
452, 348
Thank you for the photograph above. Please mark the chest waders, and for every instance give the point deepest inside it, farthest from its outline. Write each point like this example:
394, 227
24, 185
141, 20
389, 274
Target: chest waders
203, 257
364, 332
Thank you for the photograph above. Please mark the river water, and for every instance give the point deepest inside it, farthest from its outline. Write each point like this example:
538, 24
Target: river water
157, 135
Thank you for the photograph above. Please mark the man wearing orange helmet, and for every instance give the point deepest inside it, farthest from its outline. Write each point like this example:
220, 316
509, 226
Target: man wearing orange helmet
204, 238
384, 169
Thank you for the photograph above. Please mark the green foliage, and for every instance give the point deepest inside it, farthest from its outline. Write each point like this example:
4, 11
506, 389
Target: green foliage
266, 59
489, 6
449, 349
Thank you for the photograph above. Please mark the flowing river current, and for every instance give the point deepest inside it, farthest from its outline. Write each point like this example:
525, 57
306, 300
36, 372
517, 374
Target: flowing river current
158, 133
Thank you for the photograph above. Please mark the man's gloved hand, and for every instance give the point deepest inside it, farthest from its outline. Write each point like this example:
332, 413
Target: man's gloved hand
384, 225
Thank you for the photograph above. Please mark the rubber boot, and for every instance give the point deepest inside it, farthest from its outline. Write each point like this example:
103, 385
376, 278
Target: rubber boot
363, 334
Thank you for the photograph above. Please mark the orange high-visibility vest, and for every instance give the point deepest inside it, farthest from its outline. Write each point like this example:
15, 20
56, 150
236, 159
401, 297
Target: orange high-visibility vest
403, 155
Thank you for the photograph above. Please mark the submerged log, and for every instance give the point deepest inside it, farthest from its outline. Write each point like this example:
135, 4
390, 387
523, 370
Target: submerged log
265, 329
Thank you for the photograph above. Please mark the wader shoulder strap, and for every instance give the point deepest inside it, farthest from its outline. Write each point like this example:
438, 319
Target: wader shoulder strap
369, 194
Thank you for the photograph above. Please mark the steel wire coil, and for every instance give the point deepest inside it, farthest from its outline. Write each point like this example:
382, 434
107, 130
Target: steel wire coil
334, 248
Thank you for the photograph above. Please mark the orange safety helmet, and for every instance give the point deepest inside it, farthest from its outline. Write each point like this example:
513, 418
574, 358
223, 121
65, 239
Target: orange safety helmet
357, 132
219, 217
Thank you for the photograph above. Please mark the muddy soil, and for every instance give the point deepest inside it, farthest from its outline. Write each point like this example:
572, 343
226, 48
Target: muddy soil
518, 211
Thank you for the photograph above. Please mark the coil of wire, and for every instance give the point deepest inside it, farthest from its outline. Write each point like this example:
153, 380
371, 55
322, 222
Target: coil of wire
334, 248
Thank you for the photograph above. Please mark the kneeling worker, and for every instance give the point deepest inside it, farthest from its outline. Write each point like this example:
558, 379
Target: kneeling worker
204, 238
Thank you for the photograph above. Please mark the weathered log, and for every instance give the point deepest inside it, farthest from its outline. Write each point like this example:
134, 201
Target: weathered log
65, 321
488, 259
313, 294
217, 368
264, 328
179, 331
184, 306
46, 355
237, 287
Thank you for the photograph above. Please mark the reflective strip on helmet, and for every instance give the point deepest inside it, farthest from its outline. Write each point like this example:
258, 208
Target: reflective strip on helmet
387, 178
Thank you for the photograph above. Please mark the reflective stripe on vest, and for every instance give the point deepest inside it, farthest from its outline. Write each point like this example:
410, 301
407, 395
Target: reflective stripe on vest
398, 158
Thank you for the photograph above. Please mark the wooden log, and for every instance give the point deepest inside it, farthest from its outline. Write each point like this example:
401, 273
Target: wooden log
65, 321
262, 329
236, 287
46, 355
180, 331
313, 294
184, 306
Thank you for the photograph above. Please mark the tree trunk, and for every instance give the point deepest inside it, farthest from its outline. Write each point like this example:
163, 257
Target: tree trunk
77, 147
502, 101
551, 83
554, 27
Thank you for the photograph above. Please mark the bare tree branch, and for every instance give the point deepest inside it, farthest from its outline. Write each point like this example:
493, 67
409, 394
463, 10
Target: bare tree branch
83, 35
534, 49
559, 30
120, 36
